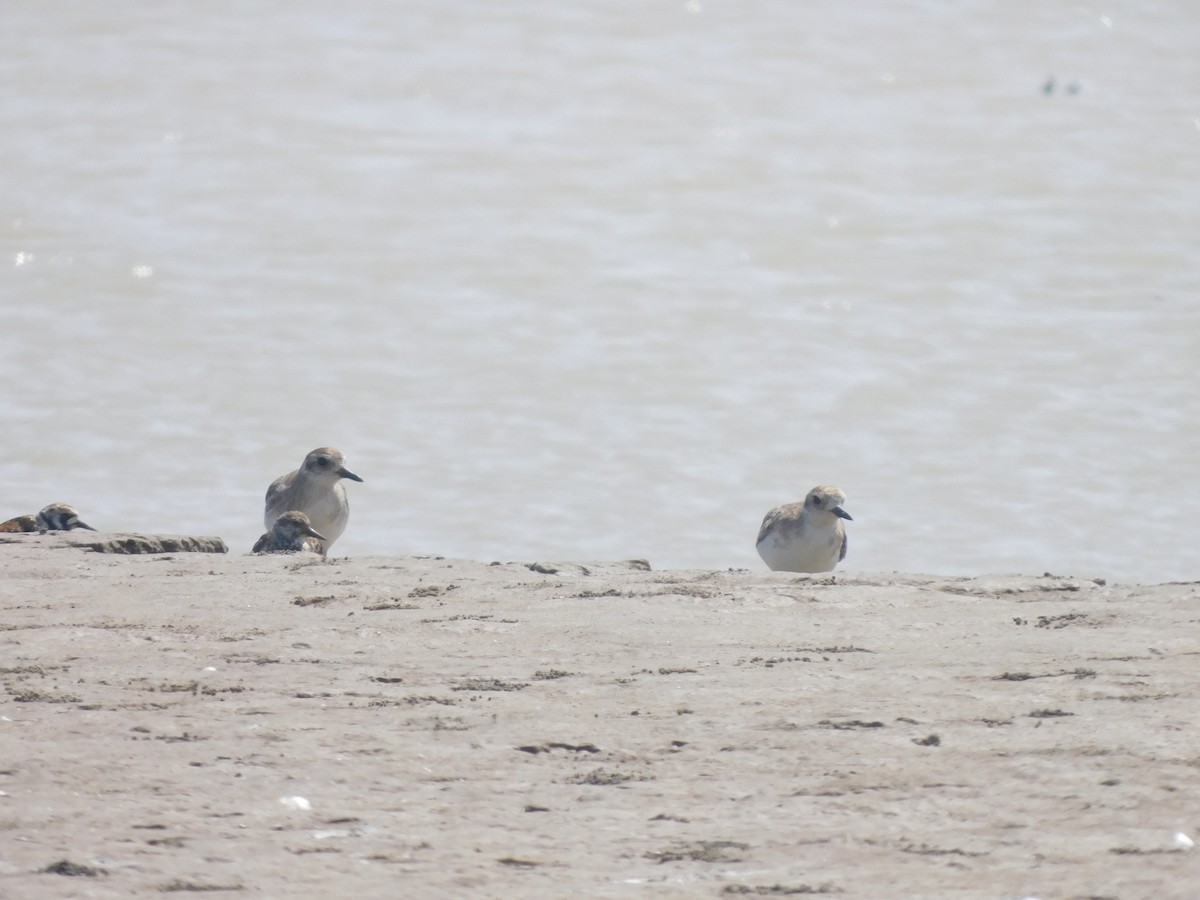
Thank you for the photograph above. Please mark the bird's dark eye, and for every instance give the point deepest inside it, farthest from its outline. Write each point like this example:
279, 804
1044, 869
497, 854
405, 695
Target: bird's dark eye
322, 461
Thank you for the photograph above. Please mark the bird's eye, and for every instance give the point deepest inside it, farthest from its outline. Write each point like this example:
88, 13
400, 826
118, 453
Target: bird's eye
322, 461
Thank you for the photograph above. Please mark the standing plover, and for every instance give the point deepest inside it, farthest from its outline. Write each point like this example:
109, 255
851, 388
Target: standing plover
291, 533
55, 517
808, 536
316, 490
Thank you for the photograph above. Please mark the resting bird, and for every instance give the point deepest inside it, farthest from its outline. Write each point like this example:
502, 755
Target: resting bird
290, 533
808, 536
314, 489
55, 517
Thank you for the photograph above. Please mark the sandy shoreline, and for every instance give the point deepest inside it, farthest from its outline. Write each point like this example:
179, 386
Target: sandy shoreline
453, 728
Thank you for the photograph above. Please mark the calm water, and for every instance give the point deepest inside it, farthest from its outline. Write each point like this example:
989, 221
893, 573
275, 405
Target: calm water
603, 280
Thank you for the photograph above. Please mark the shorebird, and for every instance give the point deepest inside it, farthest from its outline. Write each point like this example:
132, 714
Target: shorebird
19, 523
314, 489
55, 517
291, 533
808, 536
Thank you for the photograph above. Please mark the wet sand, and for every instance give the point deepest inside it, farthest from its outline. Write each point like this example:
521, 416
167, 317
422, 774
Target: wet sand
280, 726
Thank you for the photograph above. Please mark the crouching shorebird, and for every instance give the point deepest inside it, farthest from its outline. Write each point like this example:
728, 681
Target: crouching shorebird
291, 533
55, 517
808, 536
316, 490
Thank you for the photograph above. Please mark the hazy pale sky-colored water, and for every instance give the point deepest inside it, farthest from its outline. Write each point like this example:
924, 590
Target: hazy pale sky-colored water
612, 280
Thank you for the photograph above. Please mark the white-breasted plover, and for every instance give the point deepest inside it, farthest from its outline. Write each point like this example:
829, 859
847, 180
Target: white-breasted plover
808, 536
316, 490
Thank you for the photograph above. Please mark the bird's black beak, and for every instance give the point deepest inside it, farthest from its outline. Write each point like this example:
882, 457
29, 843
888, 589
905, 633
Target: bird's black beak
346, 473
842, 514
84, 525
312, 532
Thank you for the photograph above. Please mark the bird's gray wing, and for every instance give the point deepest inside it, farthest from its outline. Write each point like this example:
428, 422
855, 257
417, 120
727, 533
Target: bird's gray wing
768, 522
845, 544
278, 486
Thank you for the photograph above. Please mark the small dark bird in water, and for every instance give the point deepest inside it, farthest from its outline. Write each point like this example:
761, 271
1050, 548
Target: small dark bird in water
1071, 89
